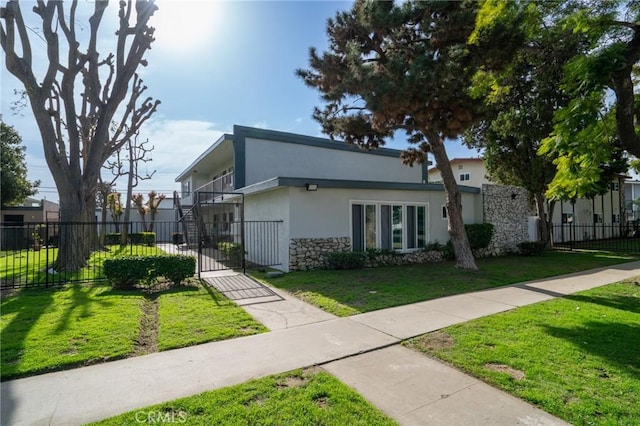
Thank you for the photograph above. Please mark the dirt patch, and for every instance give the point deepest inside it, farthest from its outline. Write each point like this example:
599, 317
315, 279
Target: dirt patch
322, 401
502, 368
434, 341
292, 382
147, 341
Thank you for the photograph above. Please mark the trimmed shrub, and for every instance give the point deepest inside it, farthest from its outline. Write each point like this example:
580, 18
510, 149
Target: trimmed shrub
175, 267
127, 271
479, 234
112, 238
530, 248
233, 251
346, 259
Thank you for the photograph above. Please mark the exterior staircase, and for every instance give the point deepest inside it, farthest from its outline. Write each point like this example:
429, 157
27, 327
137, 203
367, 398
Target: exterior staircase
190, 221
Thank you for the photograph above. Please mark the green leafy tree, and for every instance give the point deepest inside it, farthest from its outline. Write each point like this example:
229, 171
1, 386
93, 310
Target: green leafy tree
15, 186
603, 117
522, 99
78, 97
405, 67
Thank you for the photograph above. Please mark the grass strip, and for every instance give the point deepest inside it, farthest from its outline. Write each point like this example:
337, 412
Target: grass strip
309, 397
44, 330
189, 315
351, 292
51, 329
577, 357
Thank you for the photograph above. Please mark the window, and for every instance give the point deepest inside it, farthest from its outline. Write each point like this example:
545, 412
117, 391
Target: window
444, 212
370, 226
464, 177
460, 167
388, 226
615, 186
567, 217
396, 226
186, 188
597, 218
615, 218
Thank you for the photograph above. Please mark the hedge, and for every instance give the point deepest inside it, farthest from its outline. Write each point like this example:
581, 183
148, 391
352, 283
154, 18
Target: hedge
147, 238
479, 234
346, 260
126, 271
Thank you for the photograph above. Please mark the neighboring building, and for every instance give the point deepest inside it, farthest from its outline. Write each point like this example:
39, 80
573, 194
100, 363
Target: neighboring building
19, 222
329, 195
30, 211
632, 199
467, 171
583, 219
164, 220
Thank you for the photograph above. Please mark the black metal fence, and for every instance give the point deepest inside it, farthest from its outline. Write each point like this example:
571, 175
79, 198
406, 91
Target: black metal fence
28, 252
597, 236
222, 245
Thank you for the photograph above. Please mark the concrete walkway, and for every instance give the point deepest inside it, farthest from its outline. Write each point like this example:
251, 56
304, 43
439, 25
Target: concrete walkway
360, 350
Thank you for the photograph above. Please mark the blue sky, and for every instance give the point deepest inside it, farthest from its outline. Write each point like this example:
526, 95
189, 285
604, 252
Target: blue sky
213, 64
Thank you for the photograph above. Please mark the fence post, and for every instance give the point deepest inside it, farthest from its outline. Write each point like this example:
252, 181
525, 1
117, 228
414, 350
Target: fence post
46, 255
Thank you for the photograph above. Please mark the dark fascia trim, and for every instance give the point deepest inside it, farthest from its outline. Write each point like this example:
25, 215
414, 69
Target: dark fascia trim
351, 184
239, 156
215, 145
278, 136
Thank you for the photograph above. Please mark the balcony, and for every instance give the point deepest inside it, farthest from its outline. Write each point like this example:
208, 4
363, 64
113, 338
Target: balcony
215, 189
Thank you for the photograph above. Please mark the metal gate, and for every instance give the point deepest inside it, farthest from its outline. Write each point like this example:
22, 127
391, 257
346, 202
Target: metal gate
215, 225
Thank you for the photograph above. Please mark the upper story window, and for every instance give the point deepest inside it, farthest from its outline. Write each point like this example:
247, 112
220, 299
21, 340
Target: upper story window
464, 177
186, 188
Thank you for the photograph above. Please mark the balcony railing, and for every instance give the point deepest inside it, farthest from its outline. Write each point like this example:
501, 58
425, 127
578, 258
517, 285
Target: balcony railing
215, 188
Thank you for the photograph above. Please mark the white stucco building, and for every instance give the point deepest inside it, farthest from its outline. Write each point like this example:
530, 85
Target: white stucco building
327, 194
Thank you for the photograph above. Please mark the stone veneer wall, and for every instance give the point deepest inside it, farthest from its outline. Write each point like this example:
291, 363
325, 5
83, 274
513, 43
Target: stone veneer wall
508, 209
311, 253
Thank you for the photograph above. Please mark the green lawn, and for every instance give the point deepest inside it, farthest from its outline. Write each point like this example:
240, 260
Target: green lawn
192, 315
44, 329
299, 397
577, 357
50, 329
350, 292
28, 266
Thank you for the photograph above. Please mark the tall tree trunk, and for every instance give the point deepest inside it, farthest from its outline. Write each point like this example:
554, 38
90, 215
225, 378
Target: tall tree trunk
78, 236
152, 220
544, 228
461, 247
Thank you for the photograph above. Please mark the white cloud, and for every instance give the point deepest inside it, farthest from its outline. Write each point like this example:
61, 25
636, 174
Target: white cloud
260, 125
177, 143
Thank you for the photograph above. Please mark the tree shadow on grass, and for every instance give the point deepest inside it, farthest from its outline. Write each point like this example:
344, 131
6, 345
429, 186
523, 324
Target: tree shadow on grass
621, 302
27, 306
79, 300
618, 343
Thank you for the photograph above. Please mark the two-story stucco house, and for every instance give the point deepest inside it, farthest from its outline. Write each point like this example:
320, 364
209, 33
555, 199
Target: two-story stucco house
328, 195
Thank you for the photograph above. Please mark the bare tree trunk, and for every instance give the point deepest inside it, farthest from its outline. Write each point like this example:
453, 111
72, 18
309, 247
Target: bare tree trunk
152, 220
461, 247
78, 236
544, 212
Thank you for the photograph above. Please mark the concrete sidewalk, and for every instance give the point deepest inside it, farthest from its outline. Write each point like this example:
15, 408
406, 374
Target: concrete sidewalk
345, 345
